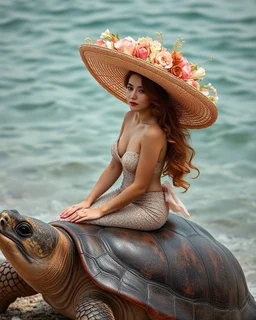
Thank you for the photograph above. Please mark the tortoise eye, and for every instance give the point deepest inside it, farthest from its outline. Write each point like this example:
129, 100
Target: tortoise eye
24, 229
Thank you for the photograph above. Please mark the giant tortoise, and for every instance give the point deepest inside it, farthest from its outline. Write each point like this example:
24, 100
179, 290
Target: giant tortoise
89, 272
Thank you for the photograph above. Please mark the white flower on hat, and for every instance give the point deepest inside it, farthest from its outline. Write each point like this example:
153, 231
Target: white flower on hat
204, 89
153, 52
106, 35
198, 73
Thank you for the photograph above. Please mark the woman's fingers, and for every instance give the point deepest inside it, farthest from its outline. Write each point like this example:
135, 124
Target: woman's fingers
70, 210
74, 219
78, 215
80, 219
65, 212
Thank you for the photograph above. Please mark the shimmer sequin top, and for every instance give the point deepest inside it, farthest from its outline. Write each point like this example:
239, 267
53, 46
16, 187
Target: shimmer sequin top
129, 163
147, 212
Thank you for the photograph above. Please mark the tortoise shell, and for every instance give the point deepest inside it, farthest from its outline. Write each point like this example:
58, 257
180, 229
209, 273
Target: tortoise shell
177, 271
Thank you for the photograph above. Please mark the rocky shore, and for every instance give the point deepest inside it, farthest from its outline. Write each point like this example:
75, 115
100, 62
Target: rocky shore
30, 308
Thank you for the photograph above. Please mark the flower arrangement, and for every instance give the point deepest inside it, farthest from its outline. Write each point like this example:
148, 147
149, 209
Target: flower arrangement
152, 51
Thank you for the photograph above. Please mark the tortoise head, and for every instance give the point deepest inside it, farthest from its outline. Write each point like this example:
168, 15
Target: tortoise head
25, 240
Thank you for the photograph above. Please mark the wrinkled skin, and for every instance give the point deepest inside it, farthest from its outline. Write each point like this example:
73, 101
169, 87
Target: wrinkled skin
88, 272
45, 257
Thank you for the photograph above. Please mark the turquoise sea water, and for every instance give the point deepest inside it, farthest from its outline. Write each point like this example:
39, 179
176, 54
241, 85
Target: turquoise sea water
57, 124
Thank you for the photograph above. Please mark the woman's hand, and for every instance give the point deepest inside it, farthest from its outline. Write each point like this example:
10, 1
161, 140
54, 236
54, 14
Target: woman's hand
71, 210
85, 214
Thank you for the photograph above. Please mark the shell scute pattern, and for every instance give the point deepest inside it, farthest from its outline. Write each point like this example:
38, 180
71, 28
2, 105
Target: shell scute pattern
178, 270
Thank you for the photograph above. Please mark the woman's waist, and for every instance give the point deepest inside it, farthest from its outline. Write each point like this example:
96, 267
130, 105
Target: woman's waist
154, 187
154, 197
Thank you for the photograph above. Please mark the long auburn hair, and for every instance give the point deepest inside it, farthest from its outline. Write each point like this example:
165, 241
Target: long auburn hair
179, 155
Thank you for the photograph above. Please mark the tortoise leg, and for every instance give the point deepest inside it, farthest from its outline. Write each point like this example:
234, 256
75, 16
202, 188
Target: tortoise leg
93, 308
12, 286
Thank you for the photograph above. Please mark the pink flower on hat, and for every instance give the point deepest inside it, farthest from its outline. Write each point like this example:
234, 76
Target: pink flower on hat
142, 51
182, 68
193, 83
153, 52
101, 42
186, 71
106, 44
126, 45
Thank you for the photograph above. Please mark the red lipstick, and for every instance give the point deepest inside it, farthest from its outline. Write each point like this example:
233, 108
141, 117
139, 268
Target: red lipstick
133, 103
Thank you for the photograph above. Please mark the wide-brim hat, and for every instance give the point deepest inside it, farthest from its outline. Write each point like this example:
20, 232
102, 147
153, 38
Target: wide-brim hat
109, 67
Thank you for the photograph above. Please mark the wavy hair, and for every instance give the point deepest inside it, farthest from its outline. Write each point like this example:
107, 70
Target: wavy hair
179, 155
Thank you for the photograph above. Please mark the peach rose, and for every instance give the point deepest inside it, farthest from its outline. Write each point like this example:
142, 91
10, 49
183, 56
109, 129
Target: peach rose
142, 51
183, 63
176, 71
176, 58
126, 45
156, 45
155, 48
164, 58
101, 43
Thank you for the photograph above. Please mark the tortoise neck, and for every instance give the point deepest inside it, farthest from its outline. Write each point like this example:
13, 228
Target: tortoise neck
58, 267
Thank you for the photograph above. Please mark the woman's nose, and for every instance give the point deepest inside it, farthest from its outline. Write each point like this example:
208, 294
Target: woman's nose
133, 94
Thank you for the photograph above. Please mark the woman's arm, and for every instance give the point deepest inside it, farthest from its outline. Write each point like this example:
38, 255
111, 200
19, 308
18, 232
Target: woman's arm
106, 180
151, 145
109, 176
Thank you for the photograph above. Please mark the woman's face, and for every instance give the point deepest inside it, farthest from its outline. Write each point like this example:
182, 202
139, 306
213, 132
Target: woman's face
135, 94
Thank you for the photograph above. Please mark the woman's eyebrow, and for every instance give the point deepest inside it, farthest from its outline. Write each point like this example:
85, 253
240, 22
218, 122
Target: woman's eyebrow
132, 85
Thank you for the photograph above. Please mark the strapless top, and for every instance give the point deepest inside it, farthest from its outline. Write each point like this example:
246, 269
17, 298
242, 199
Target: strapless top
130, 159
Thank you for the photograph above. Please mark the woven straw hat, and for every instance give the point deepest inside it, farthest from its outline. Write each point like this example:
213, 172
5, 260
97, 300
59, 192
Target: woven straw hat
109, 67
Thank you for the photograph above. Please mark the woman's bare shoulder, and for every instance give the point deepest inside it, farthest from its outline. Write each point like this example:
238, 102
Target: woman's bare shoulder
128, 117
153, 131
153, 137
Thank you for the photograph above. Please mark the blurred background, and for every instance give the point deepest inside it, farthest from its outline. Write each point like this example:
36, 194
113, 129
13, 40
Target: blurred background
57, 124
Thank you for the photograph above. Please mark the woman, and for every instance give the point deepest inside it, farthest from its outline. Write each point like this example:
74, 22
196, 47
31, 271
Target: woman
152, 142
